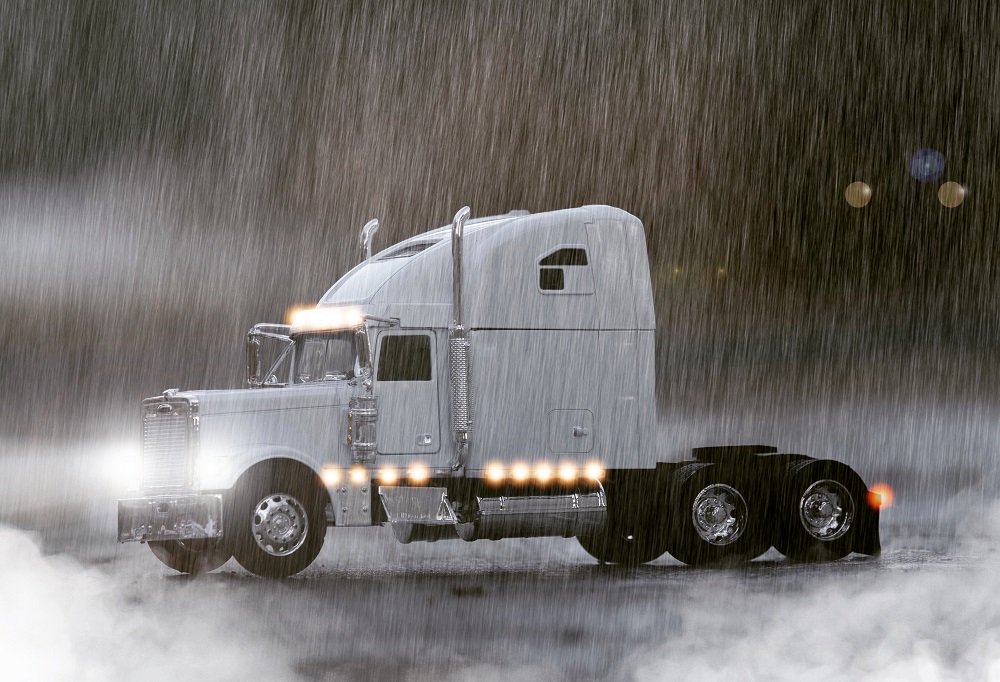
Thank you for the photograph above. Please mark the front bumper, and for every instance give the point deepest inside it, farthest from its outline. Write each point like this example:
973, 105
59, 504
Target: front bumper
170, 517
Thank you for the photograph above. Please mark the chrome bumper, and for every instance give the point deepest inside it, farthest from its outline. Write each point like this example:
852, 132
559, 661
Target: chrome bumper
170, 517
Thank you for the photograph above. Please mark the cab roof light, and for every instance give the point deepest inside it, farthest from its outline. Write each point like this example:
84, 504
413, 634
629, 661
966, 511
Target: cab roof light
331, 318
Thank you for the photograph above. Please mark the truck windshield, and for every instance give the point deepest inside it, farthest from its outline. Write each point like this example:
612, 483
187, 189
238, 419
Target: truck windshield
325, 357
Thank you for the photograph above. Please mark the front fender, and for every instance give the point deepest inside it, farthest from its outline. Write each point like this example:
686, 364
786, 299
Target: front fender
220, 472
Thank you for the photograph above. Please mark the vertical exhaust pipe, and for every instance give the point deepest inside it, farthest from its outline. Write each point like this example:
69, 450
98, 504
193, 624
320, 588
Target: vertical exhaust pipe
459, 351
366, 237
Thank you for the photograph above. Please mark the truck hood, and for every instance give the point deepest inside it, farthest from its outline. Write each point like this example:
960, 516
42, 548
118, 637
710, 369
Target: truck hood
238, 401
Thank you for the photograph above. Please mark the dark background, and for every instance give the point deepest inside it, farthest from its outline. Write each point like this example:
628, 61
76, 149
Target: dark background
171, 173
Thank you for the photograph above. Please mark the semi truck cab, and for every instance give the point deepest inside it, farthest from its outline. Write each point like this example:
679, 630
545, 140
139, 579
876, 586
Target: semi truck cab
492, 378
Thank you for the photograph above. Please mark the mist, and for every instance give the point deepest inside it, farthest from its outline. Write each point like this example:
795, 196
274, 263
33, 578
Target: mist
172, 174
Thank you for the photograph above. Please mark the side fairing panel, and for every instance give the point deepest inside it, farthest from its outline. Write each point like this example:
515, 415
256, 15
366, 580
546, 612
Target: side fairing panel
648, 451
520, 377
553, 395
619, 397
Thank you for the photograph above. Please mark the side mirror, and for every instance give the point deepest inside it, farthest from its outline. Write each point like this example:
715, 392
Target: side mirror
365, 361
266, 330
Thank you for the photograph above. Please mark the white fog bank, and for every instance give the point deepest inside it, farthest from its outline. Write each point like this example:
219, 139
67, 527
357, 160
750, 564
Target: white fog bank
913, 616
65, 621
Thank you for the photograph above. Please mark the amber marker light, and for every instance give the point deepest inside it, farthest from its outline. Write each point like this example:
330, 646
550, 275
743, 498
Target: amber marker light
881, 496
520, 472
388, 475
543, 473
332, 476
418, 473
567, 472
358, 475
494, 473
594, 471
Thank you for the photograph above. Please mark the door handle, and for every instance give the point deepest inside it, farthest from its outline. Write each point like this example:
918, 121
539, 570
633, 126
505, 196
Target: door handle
580, 432
423, 439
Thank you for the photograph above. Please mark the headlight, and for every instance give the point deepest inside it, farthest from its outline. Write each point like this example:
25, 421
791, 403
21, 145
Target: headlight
122, 466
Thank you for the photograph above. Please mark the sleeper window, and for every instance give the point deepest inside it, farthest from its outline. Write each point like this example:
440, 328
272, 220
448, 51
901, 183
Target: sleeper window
565, 270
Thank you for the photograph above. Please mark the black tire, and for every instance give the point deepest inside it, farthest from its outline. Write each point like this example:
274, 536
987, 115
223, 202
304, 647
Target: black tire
278, 520
716, 516
192, 556
819, 511
631, 547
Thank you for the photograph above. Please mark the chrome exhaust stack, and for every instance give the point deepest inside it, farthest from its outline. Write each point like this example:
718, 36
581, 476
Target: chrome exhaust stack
459, 359
366, 237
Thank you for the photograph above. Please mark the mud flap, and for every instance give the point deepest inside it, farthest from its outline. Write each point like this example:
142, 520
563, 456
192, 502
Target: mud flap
867, 539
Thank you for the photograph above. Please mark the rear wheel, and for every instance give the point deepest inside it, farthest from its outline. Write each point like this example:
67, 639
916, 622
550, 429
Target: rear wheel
627, 546
278, 521
191, 556
716, 516
818, 513
630, 536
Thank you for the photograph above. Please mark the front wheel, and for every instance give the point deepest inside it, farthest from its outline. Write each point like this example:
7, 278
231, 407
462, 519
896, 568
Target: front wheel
191, 556
278, 522
716, 516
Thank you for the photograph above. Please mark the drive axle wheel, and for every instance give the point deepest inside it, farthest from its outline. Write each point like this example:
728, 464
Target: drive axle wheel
278, 521
716, 517
191, 556
819, 511
619, 546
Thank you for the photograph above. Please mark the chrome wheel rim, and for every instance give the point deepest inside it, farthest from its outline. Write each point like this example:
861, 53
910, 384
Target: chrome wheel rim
279, 524
719, 514
826, 510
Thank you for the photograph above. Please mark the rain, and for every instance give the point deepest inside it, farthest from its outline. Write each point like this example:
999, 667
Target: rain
817, 183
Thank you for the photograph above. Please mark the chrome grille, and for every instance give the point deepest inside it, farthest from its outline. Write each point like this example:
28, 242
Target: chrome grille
166, 451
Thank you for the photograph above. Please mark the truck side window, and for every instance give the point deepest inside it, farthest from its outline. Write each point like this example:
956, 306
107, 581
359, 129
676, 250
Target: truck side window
404, 358
325, 357
551, 268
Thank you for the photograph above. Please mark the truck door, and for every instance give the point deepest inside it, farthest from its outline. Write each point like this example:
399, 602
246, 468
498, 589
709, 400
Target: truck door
406, 386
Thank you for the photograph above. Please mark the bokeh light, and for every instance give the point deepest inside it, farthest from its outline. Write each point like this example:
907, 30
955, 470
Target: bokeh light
858, 194
927, 165
951, 194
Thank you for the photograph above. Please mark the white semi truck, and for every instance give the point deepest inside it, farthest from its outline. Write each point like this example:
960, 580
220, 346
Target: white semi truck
489, 379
